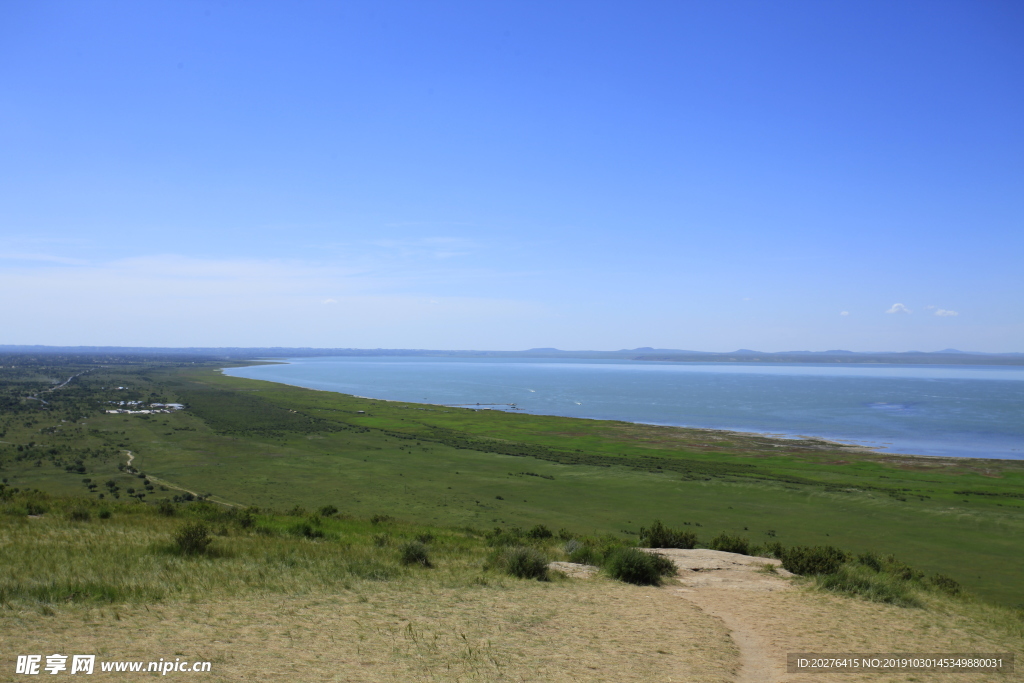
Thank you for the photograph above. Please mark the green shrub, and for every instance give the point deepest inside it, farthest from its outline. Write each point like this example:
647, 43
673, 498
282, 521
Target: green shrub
79, 514
870, 560
664, 565
104, 514
730, 544
380, 519
637, 567
503, 537
34, 509
328, 511
585, 554
805, 560
307, 530
900, 569
524, 563
381, 540
425, 537
946, 585
660, 536
861, 581
166, 508
193, 538
246, 520
539, 532
415, 552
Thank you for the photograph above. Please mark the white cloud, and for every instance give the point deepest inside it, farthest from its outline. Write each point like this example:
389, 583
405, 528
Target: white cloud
172, 300
943, 313
898, 308
428, 247
845, 313
42, 258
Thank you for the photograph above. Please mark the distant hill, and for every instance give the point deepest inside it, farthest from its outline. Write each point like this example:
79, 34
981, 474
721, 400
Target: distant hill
643, 353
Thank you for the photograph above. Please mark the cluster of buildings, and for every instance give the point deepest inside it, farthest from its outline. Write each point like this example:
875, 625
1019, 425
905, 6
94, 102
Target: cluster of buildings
153, 408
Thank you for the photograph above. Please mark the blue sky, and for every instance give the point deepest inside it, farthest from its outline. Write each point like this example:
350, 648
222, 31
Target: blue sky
505, 175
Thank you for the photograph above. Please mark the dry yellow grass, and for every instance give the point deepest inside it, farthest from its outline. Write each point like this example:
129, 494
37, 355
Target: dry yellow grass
509, 631
567, 630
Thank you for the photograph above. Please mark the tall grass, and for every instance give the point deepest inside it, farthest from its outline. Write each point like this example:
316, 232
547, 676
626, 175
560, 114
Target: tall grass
141, 555
864, 582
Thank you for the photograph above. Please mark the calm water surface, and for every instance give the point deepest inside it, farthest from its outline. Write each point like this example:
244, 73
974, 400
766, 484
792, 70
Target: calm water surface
965, 411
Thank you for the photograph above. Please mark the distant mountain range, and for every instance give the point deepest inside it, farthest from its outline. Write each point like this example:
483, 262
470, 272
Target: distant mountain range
643, 353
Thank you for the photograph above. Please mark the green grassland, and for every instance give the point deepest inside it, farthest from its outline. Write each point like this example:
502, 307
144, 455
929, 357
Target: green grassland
248, 442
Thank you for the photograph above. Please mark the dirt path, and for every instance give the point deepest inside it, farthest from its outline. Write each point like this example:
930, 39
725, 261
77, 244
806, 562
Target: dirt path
721, 584
131, 457
769, 616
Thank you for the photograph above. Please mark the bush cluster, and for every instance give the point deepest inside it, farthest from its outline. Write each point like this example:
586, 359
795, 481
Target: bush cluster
307, 530
193, 538
523, 562
807, 561
79, 514
585, 554
730, 544
660, 536
415, 552
637, 567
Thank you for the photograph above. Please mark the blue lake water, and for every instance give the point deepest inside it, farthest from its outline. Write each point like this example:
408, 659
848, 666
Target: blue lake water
962, 411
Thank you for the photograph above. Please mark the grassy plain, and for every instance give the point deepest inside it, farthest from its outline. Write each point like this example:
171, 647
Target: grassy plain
268, 599
248, 442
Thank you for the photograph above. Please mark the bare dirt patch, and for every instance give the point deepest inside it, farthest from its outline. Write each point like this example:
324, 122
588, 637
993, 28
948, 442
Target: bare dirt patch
769, 616
574, 570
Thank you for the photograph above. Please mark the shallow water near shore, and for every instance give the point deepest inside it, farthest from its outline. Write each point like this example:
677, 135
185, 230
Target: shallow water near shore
956, 411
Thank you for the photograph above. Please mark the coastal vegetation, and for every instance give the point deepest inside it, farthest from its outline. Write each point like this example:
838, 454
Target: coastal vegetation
243, 444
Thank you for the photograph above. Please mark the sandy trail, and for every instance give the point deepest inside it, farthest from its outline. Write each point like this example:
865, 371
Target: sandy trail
722, 584
131, 457
769, 616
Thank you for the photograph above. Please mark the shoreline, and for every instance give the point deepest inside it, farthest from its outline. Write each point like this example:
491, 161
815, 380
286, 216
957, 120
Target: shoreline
815, 443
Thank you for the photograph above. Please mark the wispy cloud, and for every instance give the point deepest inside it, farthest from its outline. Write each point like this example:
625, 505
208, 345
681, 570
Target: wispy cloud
898, 308
943, 313
41, 258
173, 300
431, 247
844, 313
